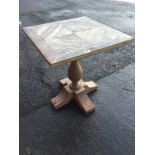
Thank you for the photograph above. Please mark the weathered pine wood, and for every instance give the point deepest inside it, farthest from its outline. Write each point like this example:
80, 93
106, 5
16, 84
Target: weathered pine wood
63, 98
75, 88
75, 73
68, 40
84, 102
89, 85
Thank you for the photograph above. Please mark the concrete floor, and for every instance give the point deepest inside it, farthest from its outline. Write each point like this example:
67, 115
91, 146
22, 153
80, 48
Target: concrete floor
110, 129
107, 131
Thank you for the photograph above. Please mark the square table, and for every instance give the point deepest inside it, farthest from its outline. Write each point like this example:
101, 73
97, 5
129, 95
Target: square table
68, 41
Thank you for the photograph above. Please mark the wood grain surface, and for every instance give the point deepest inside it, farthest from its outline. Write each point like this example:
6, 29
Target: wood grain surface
68, 40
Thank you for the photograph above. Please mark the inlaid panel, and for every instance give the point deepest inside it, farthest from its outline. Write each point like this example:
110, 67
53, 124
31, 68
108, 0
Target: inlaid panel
64, 41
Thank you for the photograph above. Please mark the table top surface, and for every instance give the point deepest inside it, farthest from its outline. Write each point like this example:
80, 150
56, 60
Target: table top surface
68, 40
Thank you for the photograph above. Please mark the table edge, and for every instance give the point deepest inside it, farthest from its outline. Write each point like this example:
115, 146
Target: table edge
98, 51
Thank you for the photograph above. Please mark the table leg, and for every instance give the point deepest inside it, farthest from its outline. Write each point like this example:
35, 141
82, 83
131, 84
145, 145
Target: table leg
89, 86
63, 98
75, 88
84, 102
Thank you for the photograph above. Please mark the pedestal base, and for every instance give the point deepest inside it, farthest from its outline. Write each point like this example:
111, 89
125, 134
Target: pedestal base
80, 95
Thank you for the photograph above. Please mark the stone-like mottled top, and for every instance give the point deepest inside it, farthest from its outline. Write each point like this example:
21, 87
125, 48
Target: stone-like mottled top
64, 41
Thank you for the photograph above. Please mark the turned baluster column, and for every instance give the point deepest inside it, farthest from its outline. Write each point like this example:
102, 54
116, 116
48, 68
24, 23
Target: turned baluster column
75, 73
